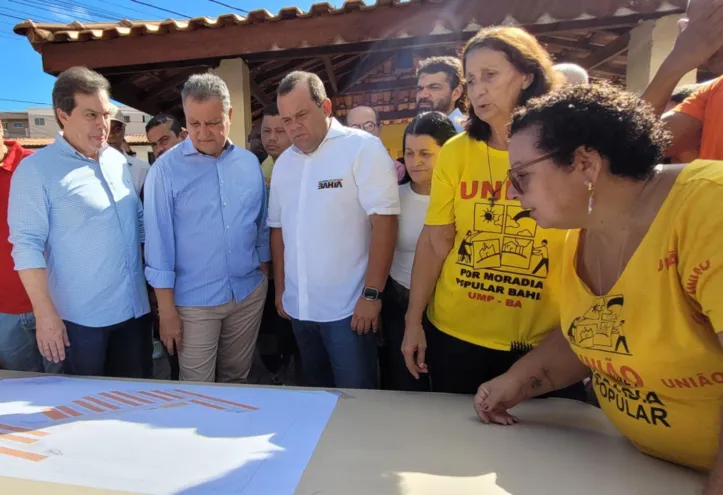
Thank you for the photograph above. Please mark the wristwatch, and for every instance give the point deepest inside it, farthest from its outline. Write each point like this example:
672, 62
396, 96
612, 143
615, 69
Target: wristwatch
371, 294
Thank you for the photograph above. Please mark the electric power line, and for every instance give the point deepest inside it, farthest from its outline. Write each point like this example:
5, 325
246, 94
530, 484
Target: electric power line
161, 8
55, 7
30, 16
13, 17
230, 6
25, 101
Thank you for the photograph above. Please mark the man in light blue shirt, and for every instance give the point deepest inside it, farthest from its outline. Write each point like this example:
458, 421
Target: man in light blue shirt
76, 227
207, 244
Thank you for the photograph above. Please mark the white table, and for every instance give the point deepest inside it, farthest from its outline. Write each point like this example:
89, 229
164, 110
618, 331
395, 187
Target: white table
391, 443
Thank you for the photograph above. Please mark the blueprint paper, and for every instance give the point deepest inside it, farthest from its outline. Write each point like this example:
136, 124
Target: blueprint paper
159, 438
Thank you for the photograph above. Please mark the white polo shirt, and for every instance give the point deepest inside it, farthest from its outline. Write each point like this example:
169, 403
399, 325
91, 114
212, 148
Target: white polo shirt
322, 202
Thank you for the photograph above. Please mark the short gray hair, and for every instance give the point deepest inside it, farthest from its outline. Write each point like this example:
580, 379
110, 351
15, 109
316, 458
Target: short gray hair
292, 80
202, 87
573, 73
73, 81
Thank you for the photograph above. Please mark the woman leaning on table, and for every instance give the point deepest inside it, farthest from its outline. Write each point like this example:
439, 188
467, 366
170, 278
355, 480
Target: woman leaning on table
642, 273
485, 268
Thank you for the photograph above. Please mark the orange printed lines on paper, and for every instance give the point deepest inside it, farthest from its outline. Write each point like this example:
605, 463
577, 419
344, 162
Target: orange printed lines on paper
222, 401
102, 403
206, 404
108, 395
28, 456
88, 406
16, 438
132, 397
69, 411
54, 414
18, 429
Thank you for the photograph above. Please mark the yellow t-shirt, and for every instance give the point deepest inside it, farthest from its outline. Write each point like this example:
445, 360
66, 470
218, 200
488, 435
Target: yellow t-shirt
266, 168
495, 286
651, 341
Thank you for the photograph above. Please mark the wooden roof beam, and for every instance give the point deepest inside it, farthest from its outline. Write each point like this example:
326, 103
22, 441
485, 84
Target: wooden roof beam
362, 70
258, 93
607, 52
330, 74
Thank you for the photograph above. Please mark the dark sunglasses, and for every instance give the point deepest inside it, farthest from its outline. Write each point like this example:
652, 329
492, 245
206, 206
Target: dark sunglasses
512, 173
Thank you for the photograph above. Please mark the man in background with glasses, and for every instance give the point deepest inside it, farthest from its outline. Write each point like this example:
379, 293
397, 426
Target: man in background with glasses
367, 119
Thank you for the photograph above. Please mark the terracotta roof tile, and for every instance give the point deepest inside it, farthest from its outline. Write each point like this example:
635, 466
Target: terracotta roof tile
133, 139
522, 12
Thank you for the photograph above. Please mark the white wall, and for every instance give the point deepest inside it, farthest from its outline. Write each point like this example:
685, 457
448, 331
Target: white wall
49, 127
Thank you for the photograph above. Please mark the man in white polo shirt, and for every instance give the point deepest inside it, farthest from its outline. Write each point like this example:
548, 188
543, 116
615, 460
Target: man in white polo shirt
333, 217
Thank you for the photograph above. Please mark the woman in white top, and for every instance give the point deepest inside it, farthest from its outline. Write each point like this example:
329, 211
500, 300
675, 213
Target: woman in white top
423, 139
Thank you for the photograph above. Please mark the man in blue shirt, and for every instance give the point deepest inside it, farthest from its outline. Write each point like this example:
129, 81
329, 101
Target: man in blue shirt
76, 229
207, 244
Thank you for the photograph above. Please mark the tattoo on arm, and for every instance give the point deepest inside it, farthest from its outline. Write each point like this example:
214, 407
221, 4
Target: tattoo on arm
537, 383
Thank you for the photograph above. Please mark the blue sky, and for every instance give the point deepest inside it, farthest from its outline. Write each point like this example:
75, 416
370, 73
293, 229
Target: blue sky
23, 77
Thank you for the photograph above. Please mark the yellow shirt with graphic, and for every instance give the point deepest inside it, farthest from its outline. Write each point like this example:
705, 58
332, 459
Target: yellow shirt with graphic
496, 288
651, 341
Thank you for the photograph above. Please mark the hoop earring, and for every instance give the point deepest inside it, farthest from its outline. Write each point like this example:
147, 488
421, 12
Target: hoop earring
591, 197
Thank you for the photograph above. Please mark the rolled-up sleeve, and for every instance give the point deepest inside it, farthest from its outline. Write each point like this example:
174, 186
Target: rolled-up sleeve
28, 217
160, 247
273, 217
263, 249
376, 179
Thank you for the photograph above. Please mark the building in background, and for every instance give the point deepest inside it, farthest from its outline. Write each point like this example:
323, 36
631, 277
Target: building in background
36, 128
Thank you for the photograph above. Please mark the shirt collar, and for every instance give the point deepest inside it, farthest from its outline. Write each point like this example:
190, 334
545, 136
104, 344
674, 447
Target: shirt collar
14, 154
63, 144
335, 130
187, 147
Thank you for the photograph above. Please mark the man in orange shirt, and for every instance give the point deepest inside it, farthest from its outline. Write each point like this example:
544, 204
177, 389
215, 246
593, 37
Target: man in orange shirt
697, 122
18, 349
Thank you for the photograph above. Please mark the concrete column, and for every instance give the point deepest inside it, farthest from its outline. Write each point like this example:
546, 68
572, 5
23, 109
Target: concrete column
650, 43
235, 73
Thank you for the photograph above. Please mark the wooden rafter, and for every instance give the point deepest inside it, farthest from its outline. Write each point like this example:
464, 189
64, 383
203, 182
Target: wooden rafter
607, 52
330, 73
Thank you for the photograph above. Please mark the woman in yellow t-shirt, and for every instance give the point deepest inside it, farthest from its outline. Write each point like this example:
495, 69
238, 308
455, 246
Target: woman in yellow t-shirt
482, 266
642, 277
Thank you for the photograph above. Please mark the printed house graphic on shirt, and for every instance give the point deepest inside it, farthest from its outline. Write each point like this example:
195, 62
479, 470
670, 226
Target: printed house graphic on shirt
503, 239
601, 327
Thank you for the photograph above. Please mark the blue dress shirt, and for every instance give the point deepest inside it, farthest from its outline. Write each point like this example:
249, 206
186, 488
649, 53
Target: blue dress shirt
82, 221
205, 221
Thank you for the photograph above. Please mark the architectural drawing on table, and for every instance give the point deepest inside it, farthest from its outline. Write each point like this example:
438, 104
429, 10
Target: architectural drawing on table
114, 402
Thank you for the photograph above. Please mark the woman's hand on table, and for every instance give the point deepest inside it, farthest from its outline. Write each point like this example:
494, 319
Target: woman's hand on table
496, 396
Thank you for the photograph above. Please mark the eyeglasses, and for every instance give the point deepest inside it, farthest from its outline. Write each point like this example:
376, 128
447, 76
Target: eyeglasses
367, 126
512, 174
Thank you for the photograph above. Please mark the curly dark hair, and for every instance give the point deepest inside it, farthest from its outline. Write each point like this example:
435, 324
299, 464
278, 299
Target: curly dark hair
617, 124
525, 53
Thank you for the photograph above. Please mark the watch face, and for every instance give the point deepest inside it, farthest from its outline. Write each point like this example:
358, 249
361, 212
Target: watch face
371, 294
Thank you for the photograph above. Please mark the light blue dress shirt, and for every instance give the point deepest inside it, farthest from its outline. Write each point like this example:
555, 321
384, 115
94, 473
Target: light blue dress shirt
205, 220
82, 221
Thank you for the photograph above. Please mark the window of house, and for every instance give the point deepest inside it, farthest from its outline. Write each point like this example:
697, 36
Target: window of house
145, 119
18, 125
127, 118
39, 121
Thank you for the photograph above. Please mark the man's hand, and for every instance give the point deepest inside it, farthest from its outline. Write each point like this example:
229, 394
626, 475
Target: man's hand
278, 300
265, 270
366, 316
414, 348
52, 337
171, 330
700, 38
